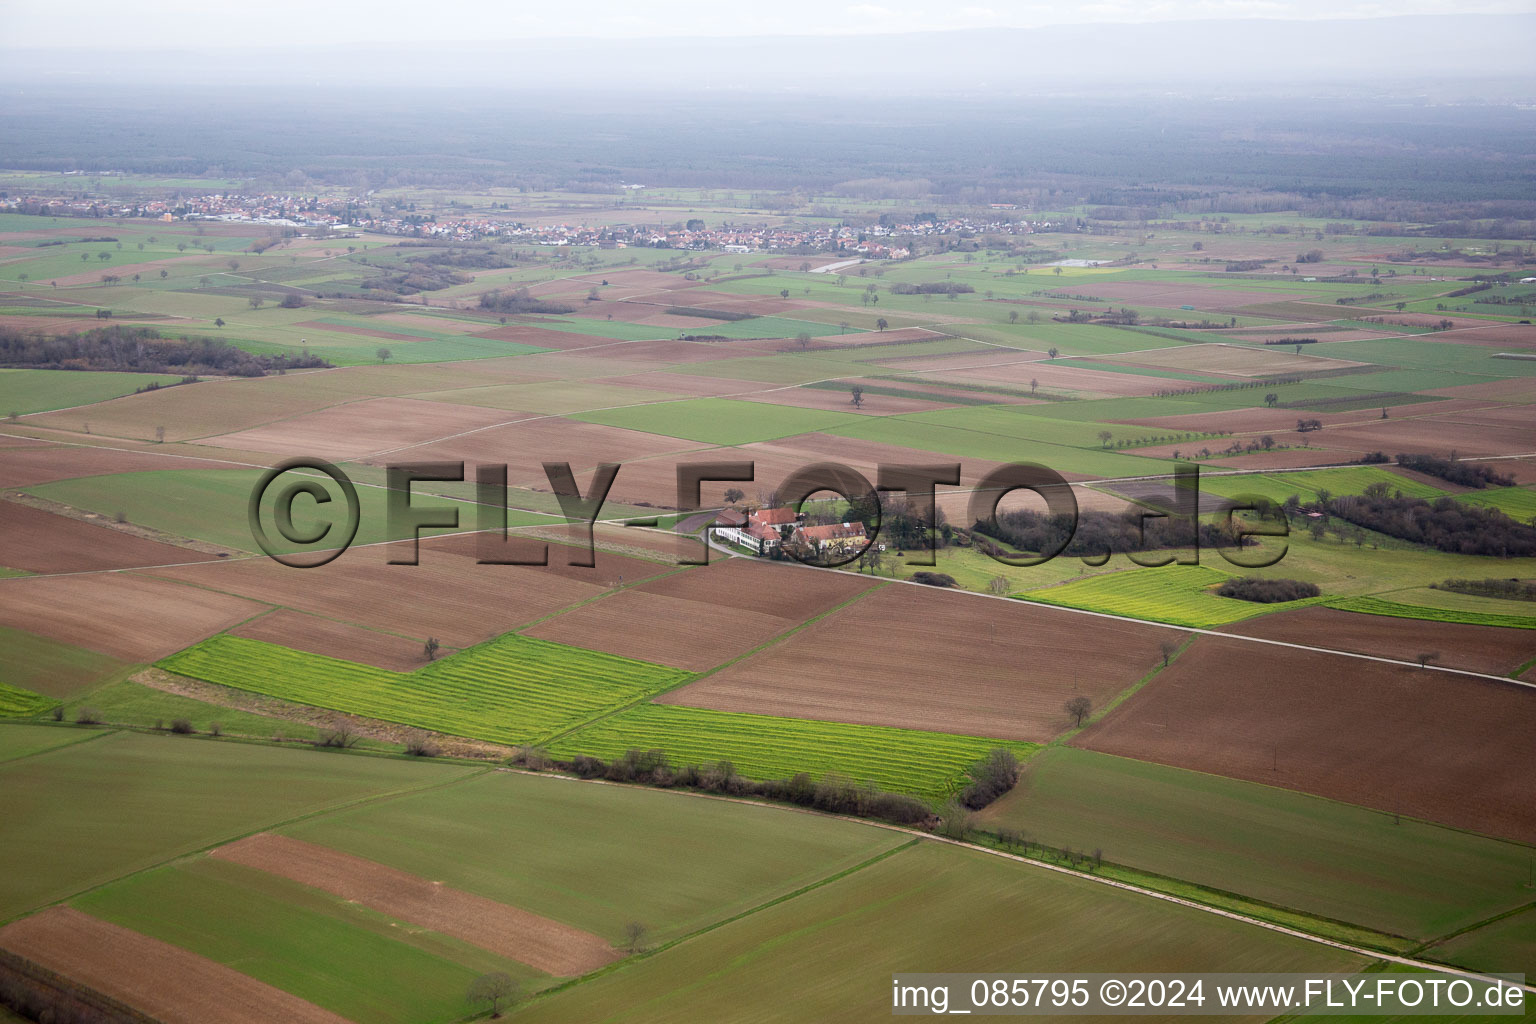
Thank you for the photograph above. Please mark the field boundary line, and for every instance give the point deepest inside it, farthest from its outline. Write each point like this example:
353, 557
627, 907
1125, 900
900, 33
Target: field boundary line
98, 734
637, 957
1494, 919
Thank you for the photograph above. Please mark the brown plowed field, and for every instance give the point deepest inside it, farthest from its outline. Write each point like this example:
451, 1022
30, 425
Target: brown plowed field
1514, 337
361, 428
701, 617
164, 981
766, 587
22, 467
336, 640
1427, 434
1450, 749
525, 447
208, 408
922, 659
686, 634
120, 614
39, 541
447, 596
1476, 648
508, 931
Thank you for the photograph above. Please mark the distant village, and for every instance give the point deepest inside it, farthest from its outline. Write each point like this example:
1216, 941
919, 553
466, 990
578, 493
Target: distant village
330, 215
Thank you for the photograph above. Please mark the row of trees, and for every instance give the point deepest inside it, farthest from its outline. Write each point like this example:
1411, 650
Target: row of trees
140, 349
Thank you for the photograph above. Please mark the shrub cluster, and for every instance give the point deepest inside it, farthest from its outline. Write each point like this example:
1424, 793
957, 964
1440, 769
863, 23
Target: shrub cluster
833, 792
1466, 474
990, 779
1256, 588
141, 350
521, 301
1508, 589
1446, 525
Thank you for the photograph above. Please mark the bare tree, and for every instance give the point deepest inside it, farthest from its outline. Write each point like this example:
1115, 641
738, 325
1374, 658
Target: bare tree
733, 495
430, 648
495, 988
1169, 648
383, 354
1105, 437
634, 936
1013, 316
1033, 385
1053, 352
858, 396
1078, 708
803, 339
1425, 657
256, 301
882, 323
998, 585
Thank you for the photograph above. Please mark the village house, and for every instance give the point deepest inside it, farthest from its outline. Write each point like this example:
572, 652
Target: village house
832, 539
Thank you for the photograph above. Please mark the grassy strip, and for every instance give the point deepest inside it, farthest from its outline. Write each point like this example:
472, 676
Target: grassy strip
1376, 606
1341, 931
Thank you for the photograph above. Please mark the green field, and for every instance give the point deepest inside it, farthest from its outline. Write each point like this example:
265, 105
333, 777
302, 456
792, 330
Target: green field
510, 690
28, 391
130, 703
18, 703
1506, 945
321, 948
1378, 606
1180, 594
18, 740
46, 666
1515, 502
720, 420
1280, 847
924, 908
83, 814
929, 764
210, 505
597, 856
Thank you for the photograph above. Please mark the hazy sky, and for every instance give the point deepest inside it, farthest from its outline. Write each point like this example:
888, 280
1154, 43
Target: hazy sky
155, 24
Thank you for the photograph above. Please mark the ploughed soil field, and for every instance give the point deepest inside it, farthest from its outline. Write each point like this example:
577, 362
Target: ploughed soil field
362, 428
701, 617
22, 467
540, 943
918, 658
1449, 749
166, 982
39, 541
1476, 648
333, 639
124, 615
447, 595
